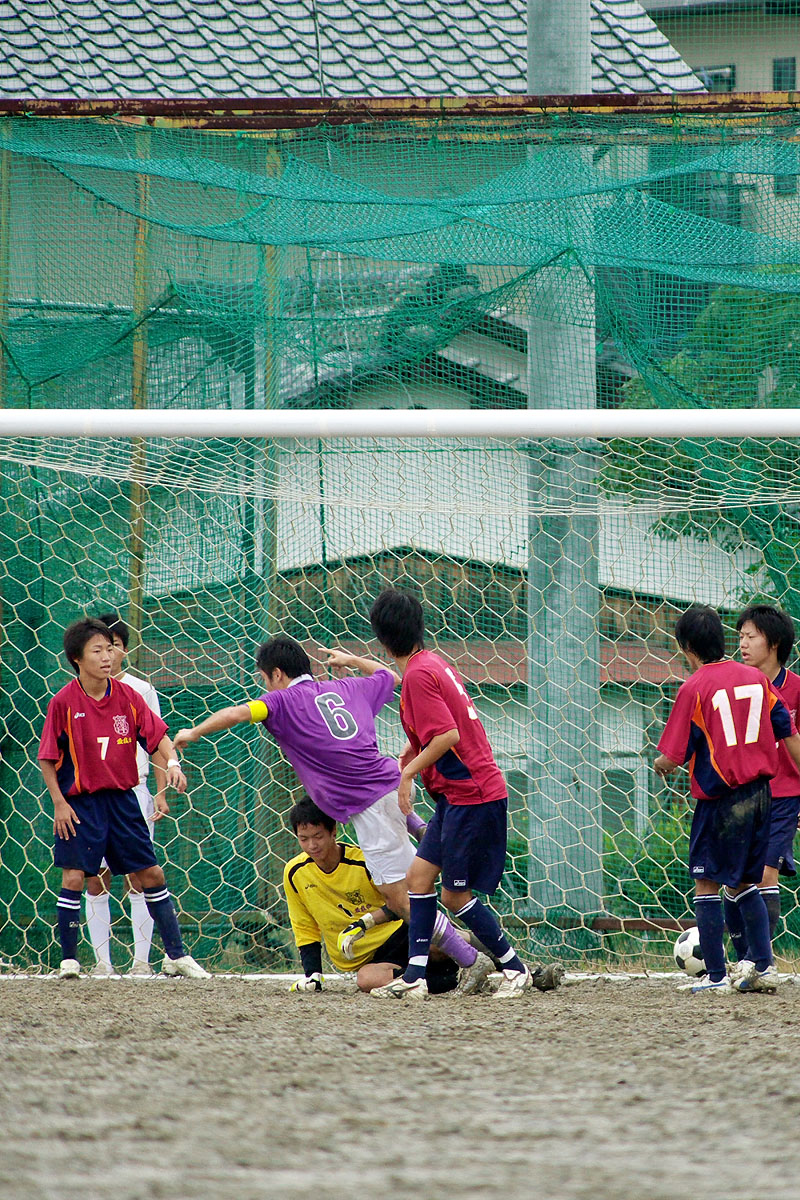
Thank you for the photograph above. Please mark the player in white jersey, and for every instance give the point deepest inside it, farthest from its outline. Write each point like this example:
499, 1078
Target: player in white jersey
98, 913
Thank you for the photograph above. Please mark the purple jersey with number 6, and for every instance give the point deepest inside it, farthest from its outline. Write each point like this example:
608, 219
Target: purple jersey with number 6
326, 729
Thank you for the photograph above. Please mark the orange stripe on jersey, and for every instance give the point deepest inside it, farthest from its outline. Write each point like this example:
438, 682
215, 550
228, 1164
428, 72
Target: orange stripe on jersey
697, 717
72, 751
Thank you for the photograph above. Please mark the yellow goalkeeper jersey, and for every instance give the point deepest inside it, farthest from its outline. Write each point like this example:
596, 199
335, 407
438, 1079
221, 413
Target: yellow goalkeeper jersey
320, 905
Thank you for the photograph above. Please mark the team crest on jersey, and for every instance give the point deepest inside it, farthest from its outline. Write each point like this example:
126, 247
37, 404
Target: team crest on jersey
355, 898
121, 726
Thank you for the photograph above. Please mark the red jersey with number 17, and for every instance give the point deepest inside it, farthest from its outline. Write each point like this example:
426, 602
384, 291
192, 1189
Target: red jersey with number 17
433, 700
724, 723
93, 742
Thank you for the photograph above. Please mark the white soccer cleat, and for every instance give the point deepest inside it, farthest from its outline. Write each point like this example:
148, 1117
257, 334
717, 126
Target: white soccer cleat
760, 981
514, 984
185, 966
103, 970
704, 987
398, 989
742, 975
70, 969
141, 970
472, 979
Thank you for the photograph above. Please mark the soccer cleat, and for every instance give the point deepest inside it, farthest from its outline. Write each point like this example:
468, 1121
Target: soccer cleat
70, 969
398, 989
140, 970
103, 970
548, 978
742, 974
472, 979
760, 981
185, 966
513, 984
722, 987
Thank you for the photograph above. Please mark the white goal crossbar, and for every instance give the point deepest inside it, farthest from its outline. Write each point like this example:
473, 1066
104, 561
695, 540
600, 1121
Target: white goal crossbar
532, 424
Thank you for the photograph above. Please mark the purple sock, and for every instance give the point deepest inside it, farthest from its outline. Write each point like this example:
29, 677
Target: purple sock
415, 825
450, 942
68, 907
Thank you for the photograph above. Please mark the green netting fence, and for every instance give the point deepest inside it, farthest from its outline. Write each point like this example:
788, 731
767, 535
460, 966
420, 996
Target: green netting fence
571, 260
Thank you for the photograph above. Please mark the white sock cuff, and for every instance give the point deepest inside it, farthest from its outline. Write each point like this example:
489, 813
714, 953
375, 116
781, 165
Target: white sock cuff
772, 890
136, 900
99, 903
467, 906
751, 891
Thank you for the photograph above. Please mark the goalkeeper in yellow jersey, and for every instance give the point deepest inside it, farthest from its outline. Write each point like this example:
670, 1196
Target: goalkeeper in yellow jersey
332, 899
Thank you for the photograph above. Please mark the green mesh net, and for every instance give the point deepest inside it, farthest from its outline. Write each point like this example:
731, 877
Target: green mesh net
558, 262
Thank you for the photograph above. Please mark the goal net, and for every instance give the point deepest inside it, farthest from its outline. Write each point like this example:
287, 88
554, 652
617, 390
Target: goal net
575, 262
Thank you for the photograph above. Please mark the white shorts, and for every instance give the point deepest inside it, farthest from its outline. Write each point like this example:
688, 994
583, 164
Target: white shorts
383, 836
148, 806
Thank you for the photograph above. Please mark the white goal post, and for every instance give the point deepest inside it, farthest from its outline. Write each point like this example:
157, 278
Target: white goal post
400, 423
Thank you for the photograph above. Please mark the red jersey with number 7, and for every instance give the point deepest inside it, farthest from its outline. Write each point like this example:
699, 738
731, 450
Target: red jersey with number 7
93, 742
433, 700
724, 723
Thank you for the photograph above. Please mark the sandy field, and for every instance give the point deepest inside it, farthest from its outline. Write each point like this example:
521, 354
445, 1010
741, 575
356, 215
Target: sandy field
236, 1090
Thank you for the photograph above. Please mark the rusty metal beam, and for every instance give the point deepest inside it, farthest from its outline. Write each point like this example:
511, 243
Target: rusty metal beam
276, 112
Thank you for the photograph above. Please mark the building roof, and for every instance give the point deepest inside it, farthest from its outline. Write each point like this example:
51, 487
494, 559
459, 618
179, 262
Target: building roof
183, 48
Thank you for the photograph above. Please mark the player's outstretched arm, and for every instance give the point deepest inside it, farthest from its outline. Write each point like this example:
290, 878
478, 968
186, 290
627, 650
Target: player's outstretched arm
341, 660
64, 816
224, 718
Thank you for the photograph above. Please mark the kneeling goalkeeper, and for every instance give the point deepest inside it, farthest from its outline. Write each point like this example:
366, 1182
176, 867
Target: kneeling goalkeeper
332, 899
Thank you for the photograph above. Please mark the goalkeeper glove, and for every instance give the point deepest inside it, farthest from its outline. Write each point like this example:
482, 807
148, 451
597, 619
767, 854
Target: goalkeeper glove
311, 983
352, 932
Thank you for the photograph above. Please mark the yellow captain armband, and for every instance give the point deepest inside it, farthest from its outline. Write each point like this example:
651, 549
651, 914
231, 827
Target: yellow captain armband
258, 711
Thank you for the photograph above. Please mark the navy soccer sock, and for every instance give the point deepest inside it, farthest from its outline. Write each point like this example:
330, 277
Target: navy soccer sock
486, 927
735, 924
162, 910
756, 922
711, 926
772, 899
68, 907
420, 932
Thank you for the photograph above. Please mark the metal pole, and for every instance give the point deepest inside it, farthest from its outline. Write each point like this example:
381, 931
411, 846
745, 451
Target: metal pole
563, 597
138, 491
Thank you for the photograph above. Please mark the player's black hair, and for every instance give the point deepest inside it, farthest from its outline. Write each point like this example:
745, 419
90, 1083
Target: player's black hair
285, 653
397, 621
78, 634
776, 626
116, 626
700, 631
305, 812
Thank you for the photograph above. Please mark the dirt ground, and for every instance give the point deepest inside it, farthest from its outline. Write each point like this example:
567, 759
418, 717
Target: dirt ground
232, 1089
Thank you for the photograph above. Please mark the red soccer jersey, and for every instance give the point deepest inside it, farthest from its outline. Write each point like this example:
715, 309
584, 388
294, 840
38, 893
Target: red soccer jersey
724, 723
433, 700
93, 742
787, 781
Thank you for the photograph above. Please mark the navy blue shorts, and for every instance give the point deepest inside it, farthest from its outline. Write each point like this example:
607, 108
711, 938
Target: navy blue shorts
111, 827
730, 835
783, 827
468, 843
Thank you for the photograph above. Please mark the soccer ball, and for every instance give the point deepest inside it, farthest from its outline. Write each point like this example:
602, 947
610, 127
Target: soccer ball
688, 955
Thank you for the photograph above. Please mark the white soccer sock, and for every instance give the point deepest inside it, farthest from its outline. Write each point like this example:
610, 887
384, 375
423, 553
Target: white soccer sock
98, 921
142, 926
